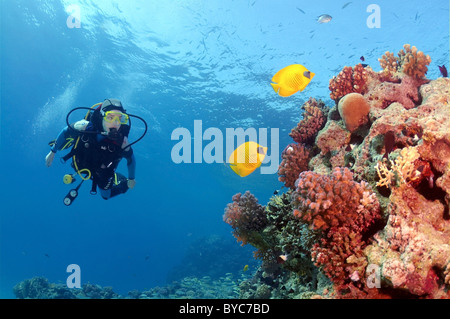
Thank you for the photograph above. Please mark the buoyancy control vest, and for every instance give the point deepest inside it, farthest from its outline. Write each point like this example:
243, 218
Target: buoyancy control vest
96, 156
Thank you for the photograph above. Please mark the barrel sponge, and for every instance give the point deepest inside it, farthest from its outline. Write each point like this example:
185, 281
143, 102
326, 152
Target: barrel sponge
353, 109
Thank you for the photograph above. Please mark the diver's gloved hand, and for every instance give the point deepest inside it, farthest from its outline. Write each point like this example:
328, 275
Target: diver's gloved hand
49, 159
131, 183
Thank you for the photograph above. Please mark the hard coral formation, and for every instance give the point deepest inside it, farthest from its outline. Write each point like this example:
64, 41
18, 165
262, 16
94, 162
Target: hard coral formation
405, 91
333, 201
412, 252
344, 210
204, 287
353, 109
398, 82
410, 61
295, 159
373, 210
350, 80
40, 288
314, 118
405, 168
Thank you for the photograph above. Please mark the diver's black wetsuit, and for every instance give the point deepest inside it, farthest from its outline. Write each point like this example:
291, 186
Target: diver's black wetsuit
104, 175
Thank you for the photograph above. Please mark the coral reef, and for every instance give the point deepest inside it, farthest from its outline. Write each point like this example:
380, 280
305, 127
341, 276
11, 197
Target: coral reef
314, 118
398, 82
344, 210
371, 214
403, 169
40, 288
245, 215
296, 156
295, 159
350, 80
413, 251
410, 62
205, 287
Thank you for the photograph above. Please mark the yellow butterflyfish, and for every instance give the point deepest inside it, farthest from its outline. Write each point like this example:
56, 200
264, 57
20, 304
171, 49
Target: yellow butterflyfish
246, 158
291, 79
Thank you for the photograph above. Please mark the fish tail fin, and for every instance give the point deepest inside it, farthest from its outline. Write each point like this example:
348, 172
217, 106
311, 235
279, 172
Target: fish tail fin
276, 87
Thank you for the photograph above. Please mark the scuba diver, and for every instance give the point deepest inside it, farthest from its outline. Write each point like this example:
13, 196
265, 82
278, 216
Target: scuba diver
99, 142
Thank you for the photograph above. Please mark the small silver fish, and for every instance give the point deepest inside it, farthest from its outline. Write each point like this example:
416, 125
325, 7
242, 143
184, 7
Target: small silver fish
324, 18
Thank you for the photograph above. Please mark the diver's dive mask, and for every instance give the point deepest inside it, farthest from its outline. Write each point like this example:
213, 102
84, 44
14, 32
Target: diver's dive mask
116, 117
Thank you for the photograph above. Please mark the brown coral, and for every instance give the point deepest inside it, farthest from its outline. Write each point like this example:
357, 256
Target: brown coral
388, 63
295, 159
314, 119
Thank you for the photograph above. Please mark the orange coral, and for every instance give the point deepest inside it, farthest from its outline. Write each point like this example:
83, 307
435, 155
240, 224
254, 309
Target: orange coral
410, 61
388, 62
413, 63
354, 109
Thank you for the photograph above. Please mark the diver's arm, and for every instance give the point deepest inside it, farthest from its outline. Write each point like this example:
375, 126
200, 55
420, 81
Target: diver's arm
131, 163
131, 160
61, 140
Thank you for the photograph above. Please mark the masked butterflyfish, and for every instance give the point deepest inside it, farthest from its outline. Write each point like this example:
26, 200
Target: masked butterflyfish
291, 79
246, 158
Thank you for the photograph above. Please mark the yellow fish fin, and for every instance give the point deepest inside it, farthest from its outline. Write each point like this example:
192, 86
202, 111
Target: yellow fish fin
286, 92
275, 86
236, 169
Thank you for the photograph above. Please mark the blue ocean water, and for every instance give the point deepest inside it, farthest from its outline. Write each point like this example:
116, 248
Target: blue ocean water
170, 62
